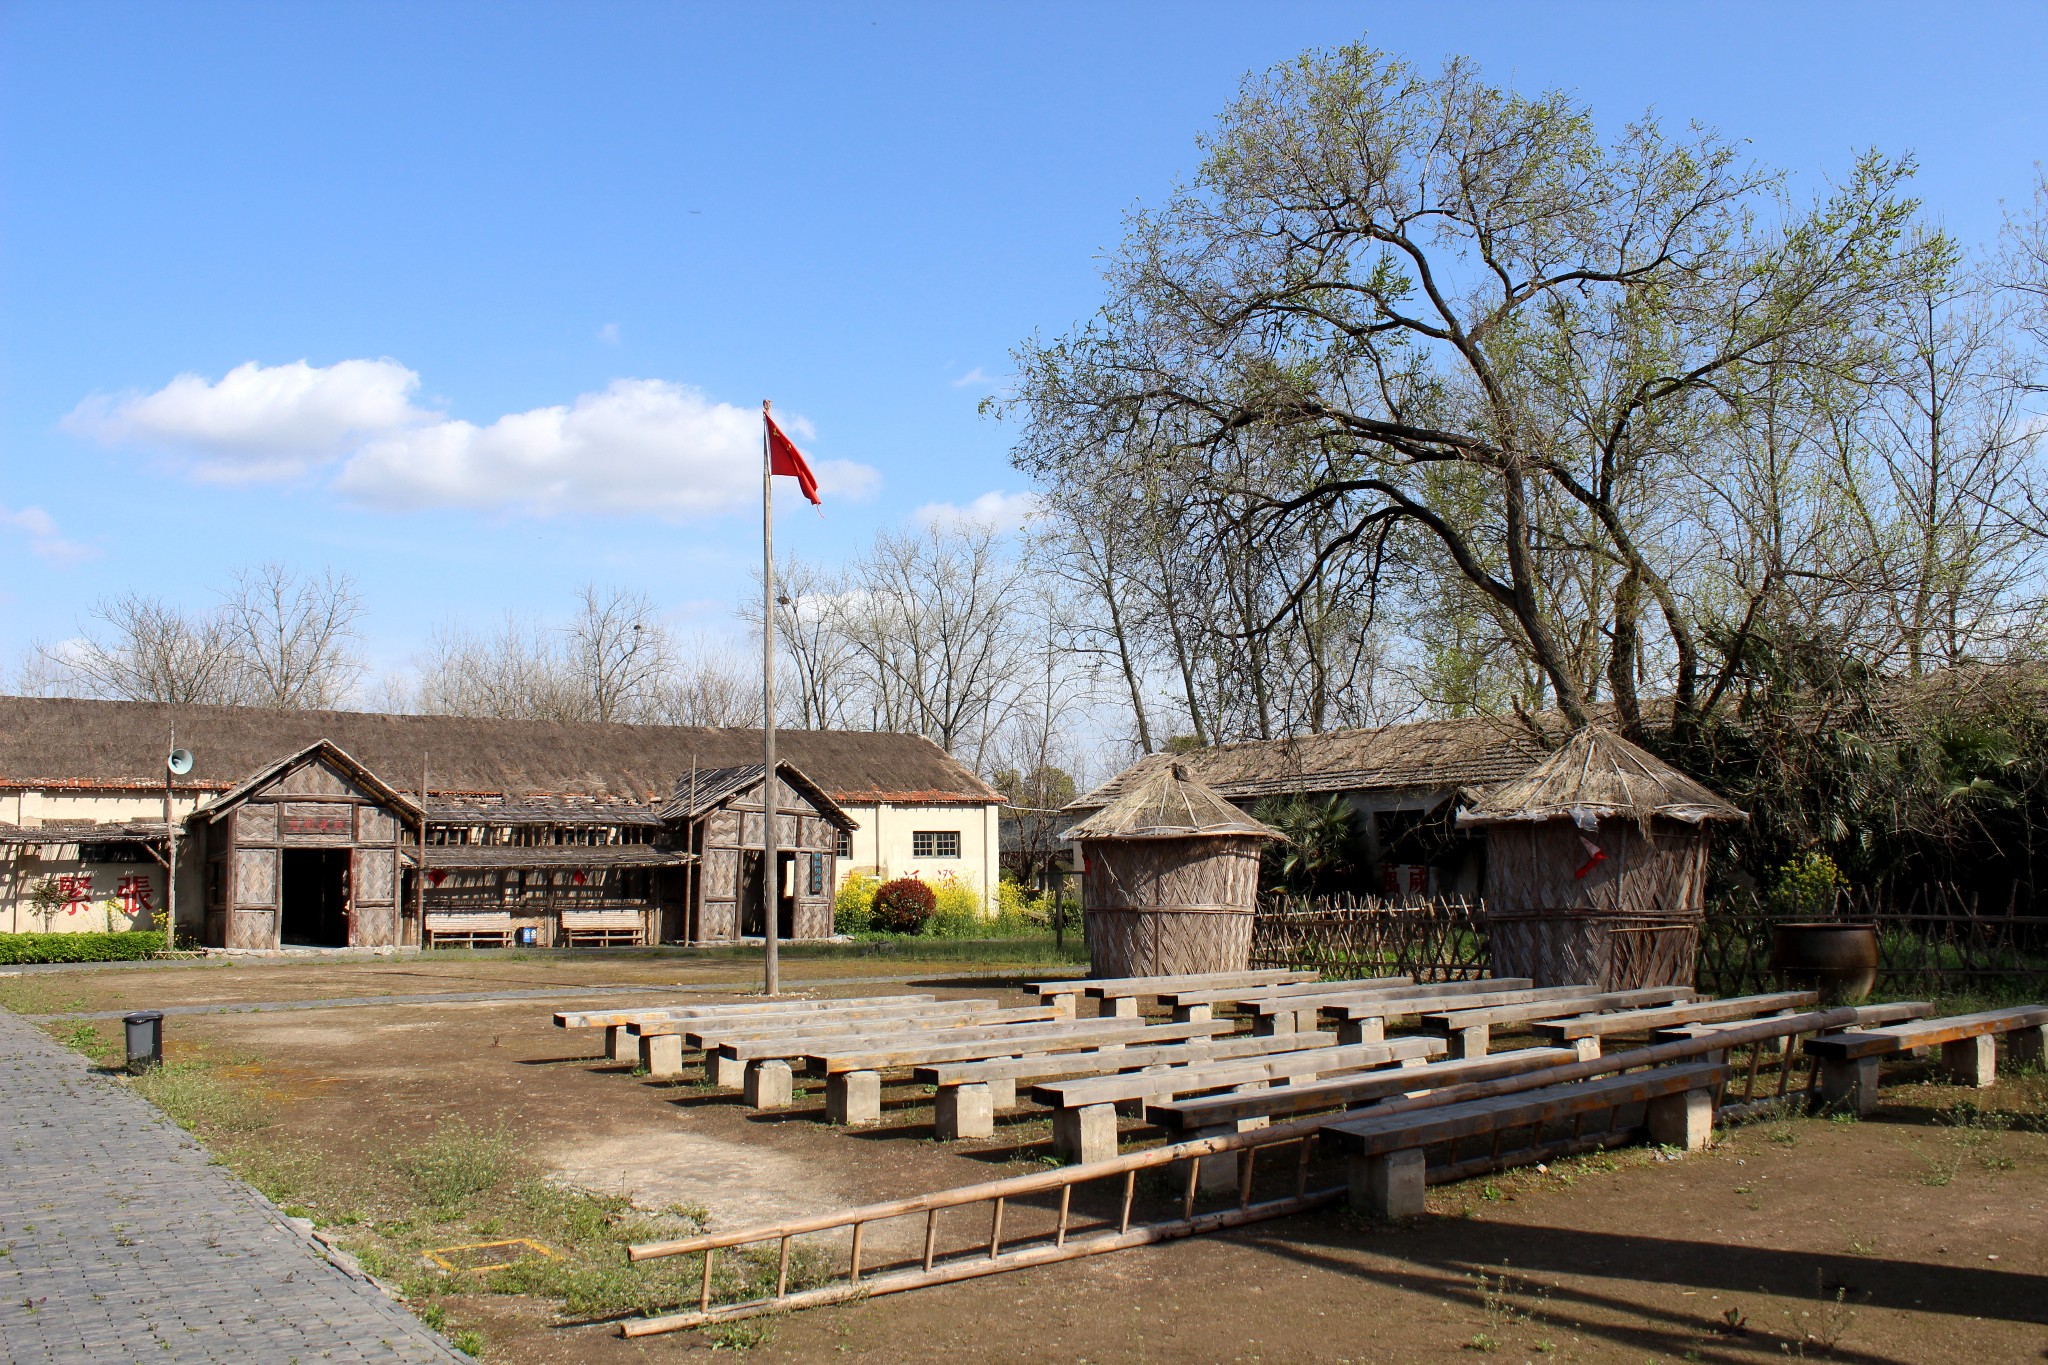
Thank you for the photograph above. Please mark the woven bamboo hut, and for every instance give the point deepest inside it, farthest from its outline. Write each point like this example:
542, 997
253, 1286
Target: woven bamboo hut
1170, 879
1596, 866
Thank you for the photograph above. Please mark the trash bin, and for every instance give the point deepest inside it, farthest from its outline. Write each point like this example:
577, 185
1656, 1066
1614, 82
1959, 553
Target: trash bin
528, 936
145, 1039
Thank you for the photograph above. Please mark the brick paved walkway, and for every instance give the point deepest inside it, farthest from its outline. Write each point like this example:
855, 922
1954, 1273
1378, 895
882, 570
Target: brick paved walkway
120, 1241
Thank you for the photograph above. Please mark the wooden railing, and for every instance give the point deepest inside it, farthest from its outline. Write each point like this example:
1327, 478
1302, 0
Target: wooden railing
1361, 936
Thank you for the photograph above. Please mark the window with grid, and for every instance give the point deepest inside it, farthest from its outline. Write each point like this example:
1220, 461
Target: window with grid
817, 874
935, 843
842, 843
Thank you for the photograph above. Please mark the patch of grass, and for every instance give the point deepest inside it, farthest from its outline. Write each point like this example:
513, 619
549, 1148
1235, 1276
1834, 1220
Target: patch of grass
459, 1162
199, 1098
469, 1341
740, 1336
86, 1037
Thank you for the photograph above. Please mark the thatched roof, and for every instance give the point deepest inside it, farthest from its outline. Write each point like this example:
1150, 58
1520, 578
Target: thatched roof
705, 789
320, 750
64, 743
1428, 755
1599, 772
1169, 803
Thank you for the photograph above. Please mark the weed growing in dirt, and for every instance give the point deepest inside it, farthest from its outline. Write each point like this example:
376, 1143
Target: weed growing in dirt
740, 1336
459, 1162
85, 1037
469, 1341
199, 1098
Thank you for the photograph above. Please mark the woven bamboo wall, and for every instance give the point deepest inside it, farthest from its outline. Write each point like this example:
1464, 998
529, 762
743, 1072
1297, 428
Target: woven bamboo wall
1167, 907
1633, 920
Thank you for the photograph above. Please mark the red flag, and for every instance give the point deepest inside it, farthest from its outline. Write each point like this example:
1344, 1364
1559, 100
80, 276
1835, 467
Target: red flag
1597, 856
785, 459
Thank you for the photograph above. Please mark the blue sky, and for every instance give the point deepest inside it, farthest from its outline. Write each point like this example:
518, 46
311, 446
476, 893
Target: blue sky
855, 210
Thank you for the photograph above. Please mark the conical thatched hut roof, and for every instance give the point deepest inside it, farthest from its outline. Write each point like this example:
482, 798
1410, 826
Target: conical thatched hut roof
1168, 803
1599, 774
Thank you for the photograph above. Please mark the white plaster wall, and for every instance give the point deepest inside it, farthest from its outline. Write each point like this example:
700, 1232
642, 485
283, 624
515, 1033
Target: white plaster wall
882, 844
23, 867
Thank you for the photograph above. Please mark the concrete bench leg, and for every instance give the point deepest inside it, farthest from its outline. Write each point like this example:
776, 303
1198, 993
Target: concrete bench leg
1002, 1094
854, 1098
1388, 1186
1353, 1031
1193, 1014
1471, 1042
662, 1054
1972, 1061
1586, 1049
964, 1111
1684, 1121
1273, 1025
729, 1073
1063, 1002
1851, 1086
769, 1085
2024, 1047
619, 1045
1123, 1007
1084, 1133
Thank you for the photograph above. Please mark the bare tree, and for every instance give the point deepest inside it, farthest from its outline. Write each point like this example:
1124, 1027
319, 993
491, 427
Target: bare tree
618, 652
145, 649
293, 635
709, 684
521, 672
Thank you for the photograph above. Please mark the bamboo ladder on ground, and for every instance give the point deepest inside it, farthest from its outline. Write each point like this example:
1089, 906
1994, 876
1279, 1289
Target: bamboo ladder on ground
988, 1256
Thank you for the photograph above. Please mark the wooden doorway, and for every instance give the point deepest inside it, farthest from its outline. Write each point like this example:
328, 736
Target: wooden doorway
752, 923
314, 904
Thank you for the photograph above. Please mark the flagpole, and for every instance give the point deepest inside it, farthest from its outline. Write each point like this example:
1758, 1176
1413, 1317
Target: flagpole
771, 870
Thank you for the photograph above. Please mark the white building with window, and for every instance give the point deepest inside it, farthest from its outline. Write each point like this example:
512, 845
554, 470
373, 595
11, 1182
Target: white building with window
927, 834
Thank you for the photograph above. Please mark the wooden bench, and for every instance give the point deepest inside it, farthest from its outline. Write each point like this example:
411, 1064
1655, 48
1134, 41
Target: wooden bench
1084, 1111
853, 1077
735, 1059
1584, 1032
1067, 991
619, 1045
604, 928
473, 928
970, 1093
1470, 1031
1119, 997
1362, 1019
1849, 1059
1387, 1153
1202, 1003
1207, 1115
662, 1042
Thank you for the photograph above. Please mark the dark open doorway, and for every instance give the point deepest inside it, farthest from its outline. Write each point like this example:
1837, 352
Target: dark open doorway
315, 897
752, 923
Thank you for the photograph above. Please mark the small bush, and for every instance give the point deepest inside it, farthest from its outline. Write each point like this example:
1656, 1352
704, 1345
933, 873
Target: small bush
123, 946
903, 906
853, 910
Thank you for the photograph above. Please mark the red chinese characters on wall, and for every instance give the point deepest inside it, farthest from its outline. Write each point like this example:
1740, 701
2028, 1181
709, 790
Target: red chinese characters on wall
136, 895
77, 891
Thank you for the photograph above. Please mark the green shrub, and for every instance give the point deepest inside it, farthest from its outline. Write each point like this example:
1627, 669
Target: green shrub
903, 906
853, 910
123, 946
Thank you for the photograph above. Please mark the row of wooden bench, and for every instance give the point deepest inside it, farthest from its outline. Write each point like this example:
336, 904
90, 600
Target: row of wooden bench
1193, 1076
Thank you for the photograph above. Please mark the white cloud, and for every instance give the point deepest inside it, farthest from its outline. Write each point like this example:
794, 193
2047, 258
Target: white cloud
639, 446
609, 334
44, 540
974, 378
997, 510
258, 422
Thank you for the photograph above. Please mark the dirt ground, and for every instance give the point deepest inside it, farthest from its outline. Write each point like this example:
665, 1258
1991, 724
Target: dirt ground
1909, 1238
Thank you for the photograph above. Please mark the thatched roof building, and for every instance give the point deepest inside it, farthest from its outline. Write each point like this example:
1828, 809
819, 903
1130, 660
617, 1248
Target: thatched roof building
1599, 775
1168, 803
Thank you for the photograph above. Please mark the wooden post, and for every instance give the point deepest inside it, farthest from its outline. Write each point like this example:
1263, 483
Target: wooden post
419, 880
771, 872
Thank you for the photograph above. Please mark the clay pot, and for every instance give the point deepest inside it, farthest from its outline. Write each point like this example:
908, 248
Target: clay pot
1839, 960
